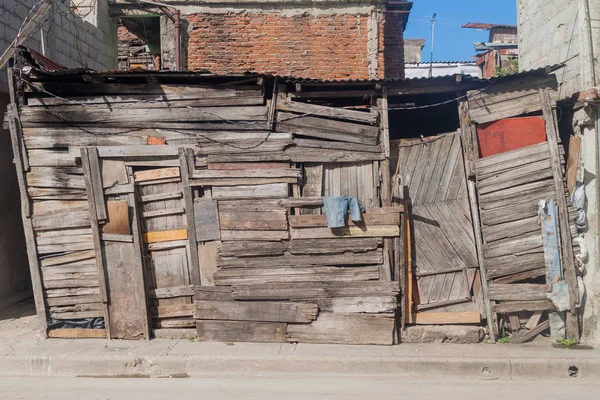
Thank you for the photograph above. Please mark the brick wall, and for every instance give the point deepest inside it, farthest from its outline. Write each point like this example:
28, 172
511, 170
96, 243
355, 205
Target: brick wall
329, 46
393, 45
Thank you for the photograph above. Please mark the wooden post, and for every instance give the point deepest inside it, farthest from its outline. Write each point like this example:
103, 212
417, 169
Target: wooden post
32, 256
190, 218
408, 280
563, 214
91, 197
467, 130
385, 148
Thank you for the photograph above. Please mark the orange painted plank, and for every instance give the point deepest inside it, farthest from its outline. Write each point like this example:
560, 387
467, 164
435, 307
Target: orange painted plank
165, 236
510, 134
153, 174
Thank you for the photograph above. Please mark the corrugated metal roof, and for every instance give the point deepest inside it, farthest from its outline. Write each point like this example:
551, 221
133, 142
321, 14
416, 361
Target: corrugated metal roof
46, 67
481, 25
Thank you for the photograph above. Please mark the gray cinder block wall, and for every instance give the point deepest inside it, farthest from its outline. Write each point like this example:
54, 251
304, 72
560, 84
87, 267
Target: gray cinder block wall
73, 38
568, 31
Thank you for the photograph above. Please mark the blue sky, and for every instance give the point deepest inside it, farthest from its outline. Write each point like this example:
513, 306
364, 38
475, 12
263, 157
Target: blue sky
453, 43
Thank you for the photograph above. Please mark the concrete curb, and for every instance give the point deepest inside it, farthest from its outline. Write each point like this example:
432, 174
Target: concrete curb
568, 368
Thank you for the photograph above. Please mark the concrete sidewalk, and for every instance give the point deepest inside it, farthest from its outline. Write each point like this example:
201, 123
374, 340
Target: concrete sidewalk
23, 353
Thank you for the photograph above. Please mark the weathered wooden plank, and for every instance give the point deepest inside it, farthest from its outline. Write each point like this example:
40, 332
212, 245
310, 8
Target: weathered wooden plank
117, 92
517, 292
273, 190
70, 283
64, 247
483, 110
241, 331
53, 158
213, 293
484, 173
169, 292
270, 221
531, 334
247, 235
72, 219
333, 246
155, 174
309, 221
322, 111
241, 276
77, 333
351, 231
525, 170
249, 249
512, 264
570, 272
447, 318
127, 297
172, 311
174, 323
340, 328
50, 293
160, 196
241, 166
513, 245
95, 187
334, 145
164, 212
327, 129
510, 229
344, 259
518, 306
319, 155
135, 117
207, 254
521, 276
68, 258
246, 173
255, 205
256, 311
46, 207
206, 220
314, 290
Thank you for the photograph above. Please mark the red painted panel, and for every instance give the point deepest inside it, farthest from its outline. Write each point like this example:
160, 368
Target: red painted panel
510, 134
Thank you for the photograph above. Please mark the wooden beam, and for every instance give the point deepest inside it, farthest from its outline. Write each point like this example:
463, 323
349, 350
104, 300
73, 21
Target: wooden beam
194, 263
165, 236
99, 258
563, 213
467, 138
32, 255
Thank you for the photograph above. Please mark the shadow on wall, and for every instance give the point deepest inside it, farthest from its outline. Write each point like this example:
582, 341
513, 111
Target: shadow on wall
14, 268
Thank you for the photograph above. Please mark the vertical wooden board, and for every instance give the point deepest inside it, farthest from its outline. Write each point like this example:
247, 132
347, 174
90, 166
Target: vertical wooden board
313, 185
417, 177
165, 223
207, 254
205, 214
117, 218
458, 179
95, 175
127, 302
411, 164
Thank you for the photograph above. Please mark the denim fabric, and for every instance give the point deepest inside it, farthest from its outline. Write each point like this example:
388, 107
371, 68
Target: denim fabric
336, 209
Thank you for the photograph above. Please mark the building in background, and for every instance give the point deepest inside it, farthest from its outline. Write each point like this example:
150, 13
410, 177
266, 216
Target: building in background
334, 39
499, 55
413, 50
441, 68
567, 32
74, 34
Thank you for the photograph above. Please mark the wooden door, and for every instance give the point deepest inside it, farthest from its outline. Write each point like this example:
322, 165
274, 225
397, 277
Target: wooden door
117, 245
444, 253
166, 249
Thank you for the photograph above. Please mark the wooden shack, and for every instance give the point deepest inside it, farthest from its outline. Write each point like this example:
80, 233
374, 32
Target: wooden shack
168, 204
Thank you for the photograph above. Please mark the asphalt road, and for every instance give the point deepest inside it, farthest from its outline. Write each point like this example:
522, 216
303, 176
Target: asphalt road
288, 388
